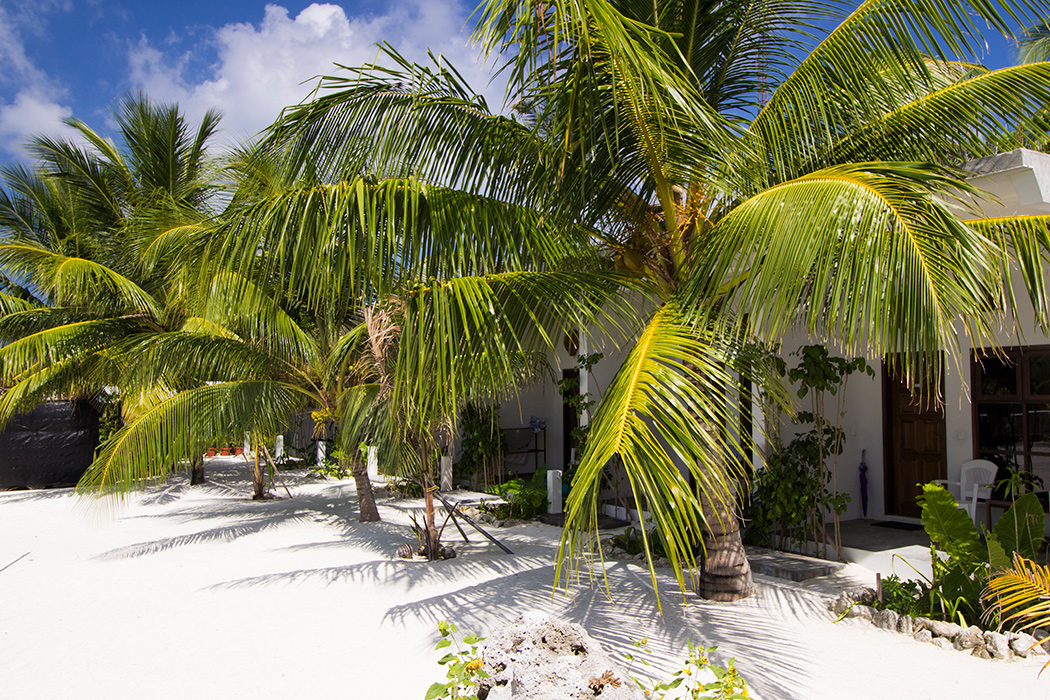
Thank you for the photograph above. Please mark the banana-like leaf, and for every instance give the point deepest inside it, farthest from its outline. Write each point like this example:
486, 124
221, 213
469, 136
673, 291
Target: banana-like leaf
949, 527
1020, 530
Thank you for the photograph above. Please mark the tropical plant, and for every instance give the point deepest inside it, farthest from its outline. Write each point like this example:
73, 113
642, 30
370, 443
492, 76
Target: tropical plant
525, 499
481, 443
93, 235
464, 665
801, 488
899, 595
257, 364
698, 679
736, 160
1020, 594
954, 592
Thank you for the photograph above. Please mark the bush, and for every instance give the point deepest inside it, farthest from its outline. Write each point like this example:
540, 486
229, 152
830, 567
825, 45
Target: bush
954, 592
899, 596
525, 500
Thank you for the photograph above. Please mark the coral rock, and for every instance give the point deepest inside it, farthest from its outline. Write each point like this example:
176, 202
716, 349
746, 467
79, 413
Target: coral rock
998, 645
968, 638
885, 620
940, 628
538, 657
942, 642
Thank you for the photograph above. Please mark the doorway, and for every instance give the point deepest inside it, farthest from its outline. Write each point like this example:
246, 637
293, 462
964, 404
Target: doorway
915, 443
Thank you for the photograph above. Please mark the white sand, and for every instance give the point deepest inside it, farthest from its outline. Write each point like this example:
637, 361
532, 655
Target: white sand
200, 593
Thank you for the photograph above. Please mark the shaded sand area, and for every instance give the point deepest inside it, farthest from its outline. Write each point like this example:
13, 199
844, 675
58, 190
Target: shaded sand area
200, 593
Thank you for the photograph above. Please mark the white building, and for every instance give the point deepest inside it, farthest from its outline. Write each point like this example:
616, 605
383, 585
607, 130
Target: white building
995, 409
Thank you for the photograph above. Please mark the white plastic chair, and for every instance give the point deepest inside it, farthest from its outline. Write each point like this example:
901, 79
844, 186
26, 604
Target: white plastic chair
975, 482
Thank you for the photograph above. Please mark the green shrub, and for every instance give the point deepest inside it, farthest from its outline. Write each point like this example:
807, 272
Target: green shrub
482, 447
405, 488
631, 542
954, 591
464, 665
525, 500
899, 596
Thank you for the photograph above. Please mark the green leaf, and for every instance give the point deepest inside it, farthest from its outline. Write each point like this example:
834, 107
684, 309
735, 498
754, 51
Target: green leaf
443, 643
949, 527
998, 559
471, 639
1020, 529
437, 690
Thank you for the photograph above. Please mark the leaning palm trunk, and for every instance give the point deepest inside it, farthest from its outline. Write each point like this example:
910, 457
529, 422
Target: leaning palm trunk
726, 573
367, 512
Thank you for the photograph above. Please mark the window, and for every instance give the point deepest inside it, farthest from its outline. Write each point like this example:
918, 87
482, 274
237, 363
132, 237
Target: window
1011, 409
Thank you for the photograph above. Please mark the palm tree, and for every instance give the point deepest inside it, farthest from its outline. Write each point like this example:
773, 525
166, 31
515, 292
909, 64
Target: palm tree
90, 235
753, 168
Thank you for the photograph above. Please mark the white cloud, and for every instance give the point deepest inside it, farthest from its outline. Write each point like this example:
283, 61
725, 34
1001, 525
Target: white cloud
266, 67
30, 114
36, 106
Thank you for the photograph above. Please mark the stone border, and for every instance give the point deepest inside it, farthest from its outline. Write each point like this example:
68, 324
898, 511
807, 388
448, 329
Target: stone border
946, 635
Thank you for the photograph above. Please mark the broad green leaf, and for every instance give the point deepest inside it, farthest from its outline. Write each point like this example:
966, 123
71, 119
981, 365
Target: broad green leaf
949, 527
998, 559
1020, 529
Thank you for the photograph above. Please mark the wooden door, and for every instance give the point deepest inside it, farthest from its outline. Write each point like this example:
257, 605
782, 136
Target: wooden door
916, 449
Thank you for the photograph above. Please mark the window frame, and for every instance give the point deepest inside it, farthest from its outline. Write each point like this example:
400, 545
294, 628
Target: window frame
1021, 357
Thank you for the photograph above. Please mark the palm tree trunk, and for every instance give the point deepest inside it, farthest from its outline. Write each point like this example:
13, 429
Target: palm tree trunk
366, 500
726, 573
258, 481
197, 472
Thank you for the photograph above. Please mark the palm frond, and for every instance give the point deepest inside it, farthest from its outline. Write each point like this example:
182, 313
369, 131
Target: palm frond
1021, 595
72, 281
661, 417
961, 120
865, 254
1024, 241
855, 73
182, 427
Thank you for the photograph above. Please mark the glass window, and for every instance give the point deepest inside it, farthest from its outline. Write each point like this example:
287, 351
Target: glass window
1039, 428
1041, 471
998, 376
1012, 410
1039, 375
999, 427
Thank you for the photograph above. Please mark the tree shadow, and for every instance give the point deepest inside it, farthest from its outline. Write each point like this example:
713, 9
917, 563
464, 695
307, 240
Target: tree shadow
629, 612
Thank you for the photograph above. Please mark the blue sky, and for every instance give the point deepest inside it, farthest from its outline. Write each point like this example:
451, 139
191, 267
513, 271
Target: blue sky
246, 57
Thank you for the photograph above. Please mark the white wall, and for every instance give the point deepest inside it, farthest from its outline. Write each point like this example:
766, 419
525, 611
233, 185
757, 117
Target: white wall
862, 424
1016, 183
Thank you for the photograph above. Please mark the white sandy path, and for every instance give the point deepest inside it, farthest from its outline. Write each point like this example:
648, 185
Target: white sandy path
200, 593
